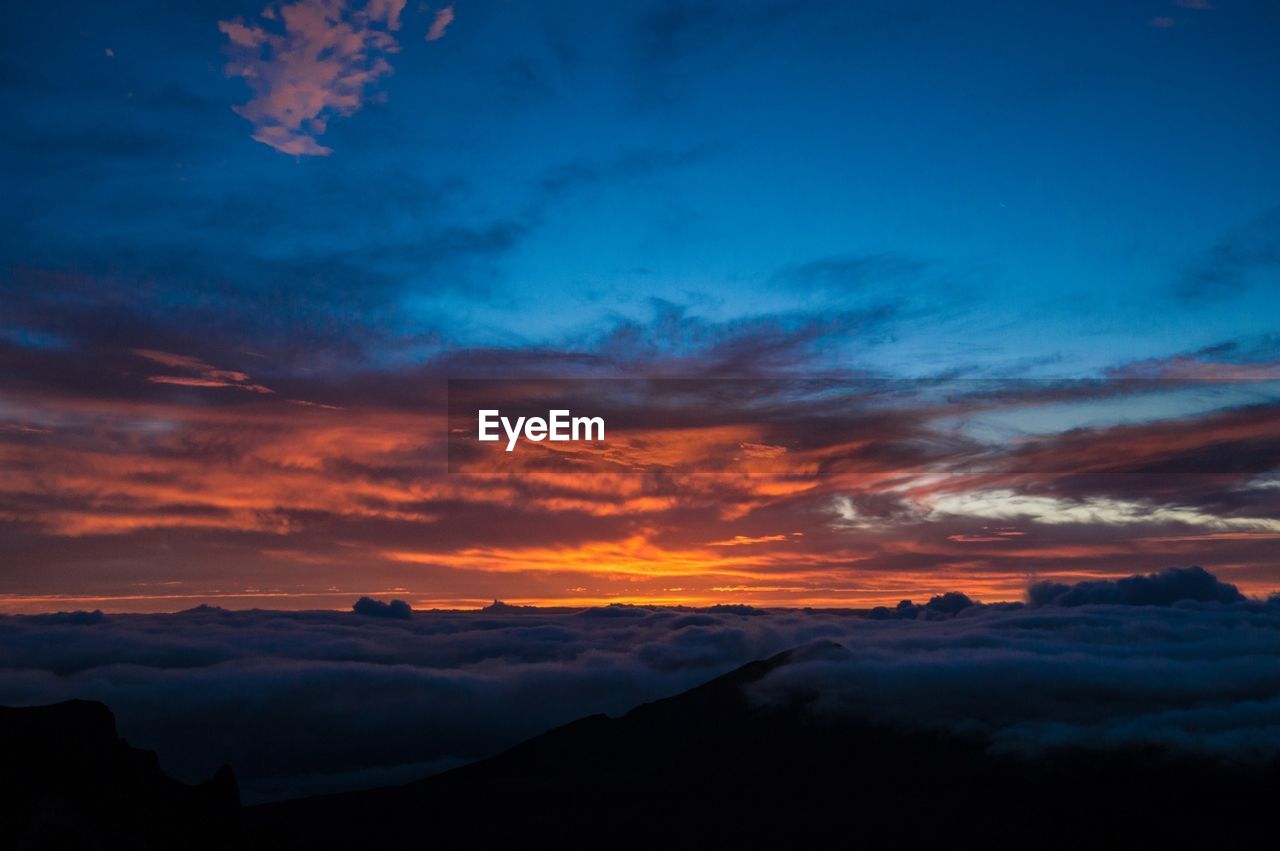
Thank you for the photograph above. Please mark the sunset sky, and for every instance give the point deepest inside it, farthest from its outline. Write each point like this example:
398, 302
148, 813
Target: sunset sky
245, 248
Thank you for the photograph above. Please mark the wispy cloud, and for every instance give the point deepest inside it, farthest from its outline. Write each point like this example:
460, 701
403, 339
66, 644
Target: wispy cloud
440, 23
1009, 505
1233, 263
201, 373
307, 61
746, 540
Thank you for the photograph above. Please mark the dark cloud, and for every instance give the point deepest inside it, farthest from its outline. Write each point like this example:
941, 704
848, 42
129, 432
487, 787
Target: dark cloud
68, 147
732, 609
674, 341
940, 607
525, 78
71, 618
629, 166
370, 607
853, 274
671, 34
1196, 677
1169, 586
1230, 265
676, 44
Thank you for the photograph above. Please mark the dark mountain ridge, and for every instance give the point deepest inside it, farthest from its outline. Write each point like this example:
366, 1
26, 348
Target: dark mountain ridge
68, 781
712, 767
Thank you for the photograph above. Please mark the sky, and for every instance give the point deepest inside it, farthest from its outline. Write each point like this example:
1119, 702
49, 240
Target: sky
245, 248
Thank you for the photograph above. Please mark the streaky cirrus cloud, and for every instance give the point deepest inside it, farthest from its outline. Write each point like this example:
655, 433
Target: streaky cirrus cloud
308, 61
200, 374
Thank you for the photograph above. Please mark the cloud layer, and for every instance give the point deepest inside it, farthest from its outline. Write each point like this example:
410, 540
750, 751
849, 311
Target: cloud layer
309, 701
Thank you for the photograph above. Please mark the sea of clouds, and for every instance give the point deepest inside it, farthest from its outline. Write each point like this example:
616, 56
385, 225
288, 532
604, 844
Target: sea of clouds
304, 702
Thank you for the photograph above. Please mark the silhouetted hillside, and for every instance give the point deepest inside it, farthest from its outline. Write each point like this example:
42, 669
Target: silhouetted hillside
716, 766
712, 767
67, 781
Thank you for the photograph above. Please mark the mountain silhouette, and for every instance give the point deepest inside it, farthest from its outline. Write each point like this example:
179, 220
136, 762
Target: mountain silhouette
713, 767
68, 781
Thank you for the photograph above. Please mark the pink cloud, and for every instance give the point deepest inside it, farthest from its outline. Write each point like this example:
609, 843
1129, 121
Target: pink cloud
205, 375
1193, 4
307, 61
440, 23
1162, 22
1197, 368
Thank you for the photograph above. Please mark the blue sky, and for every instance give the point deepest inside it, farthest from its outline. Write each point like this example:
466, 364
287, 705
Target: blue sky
1022, 188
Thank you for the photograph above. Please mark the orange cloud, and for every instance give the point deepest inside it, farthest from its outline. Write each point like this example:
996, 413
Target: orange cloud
746, 540
262, 489
636, 556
